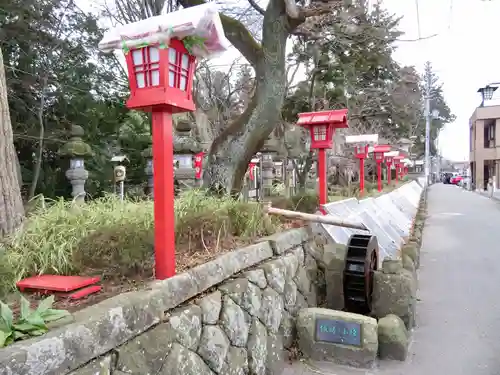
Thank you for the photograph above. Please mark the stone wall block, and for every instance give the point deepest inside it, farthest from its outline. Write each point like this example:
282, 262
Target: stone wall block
256, 276
272, 309
211, 306
281, 242
393, 338
184, 326
291, 265
257, 348
236, 362
275, 361
299, 252
147, 352
275, 271
214, 346
290, 295
235, 289
182, 361
235, 322
395, 293
287, 329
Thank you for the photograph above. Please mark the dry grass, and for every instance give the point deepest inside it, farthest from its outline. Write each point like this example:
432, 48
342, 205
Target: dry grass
115, 239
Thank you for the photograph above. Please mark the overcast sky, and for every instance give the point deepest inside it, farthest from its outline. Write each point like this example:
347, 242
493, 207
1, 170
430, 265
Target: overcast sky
464, 55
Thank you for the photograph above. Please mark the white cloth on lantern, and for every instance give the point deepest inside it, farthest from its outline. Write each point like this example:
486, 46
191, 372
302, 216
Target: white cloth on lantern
202, 21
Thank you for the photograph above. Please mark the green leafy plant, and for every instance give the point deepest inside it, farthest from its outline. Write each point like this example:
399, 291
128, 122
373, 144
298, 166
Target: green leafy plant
30, 322
191, 41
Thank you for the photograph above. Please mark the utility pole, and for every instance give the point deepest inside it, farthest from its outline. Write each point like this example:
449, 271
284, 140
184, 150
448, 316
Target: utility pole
428, 119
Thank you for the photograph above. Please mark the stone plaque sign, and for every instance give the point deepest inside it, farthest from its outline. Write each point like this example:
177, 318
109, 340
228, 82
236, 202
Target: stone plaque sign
338, 332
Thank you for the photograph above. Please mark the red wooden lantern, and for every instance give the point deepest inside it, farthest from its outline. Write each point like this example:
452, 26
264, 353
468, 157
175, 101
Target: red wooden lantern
161, 80
361, 152
397, 164
161, 76
161, 71
378, 152
322, 127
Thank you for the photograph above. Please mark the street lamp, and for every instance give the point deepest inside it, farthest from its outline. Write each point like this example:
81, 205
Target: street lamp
487, 92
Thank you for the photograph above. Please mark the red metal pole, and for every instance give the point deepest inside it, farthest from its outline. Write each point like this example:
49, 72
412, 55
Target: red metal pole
163, 177
361, 175
397, 172
322, 176
379, 176
388, 173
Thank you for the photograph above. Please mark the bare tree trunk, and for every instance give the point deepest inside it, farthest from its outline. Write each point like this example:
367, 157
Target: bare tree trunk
41, 137
232, 151
11, 204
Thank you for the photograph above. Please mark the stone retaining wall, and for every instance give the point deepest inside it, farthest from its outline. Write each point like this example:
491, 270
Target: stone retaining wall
231, 316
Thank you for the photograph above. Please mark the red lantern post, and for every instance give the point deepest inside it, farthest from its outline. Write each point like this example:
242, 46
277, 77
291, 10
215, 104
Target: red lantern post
388, 163
322, 126
160, 71
378, 152
361, 152
397, 163
161, 81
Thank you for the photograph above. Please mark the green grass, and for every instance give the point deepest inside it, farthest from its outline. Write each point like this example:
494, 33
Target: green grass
108, 234
114, 239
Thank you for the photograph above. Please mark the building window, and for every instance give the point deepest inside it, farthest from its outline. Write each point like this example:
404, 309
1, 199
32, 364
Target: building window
489, 134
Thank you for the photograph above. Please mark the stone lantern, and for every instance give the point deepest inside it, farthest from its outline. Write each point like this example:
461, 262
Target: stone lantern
290, 178
185, 148
268, 153
76, 150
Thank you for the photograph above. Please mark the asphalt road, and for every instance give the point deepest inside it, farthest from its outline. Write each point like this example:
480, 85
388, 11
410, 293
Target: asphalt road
458, 313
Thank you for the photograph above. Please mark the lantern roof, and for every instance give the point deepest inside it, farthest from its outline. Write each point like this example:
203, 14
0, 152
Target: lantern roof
362, 139
392, 154
381, 148
200, 26
337, 118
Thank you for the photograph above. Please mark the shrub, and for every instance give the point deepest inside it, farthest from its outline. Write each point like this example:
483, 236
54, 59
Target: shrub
307, 201
116, 237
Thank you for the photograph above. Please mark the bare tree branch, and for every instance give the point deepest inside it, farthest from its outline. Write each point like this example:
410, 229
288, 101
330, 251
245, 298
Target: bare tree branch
256, 6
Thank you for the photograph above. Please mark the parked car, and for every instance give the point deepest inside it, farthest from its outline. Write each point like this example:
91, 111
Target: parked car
447, 178
455, 180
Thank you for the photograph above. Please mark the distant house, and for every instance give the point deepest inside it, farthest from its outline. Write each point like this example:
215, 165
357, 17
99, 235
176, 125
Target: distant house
484, 146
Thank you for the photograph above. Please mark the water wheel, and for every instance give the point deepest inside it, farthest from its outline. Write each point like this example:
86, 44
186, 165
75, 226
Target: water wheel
361, 261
